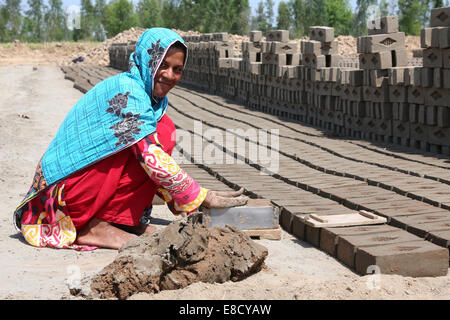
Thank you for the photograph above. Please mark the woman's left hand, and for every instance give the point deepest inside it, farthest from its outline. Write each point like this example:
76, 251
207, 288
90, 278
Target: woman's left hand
224, 199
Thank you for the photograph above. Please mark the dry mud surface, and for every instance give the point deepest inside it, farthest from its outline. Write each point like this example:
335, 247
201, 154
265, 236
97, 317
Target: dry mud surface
32, 105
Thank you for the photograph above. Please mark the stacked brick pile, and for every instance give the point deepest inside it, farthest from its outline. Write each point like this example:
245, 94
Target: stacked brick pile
380, 95
431, 117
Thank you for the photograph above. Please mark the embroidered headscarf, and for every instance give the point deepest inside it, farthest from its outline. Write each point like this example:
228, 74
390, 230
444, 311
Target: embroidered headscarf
112, 116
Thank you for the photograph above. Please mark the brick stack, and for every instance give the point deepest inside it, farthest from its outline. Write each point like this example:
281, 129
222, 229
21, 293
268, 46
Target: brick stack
382, 49
208, 55
433, 119
381, 96
320, 70
252, 66
119, 54
280, 59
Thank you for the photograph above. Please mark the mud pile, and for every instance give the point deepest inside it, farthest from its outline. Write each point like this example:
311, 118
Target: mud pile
177, 256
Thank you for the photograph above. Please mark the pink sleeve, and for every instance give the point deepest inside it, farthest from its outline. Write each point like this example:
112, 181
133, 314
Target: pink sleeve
179, 190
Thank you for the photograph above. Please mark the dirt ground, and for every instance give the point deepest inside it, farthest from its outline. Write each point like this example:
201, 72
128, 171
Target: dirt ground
33, 102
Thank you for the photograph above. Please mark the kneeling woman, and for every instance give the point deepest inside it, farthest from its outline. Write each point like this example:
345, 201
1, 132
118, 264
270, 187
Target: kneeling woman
111, 155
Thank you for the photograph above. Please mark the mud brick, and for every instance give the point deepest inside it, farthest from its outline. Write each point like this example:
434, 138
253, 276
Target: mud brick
446, 58
298, 225
400, 111
354, 93
437, 97
375, 78
439, 237
410, 259
348, 244
225, 62
439, 136
398, 93
284, 47
415, 209
425, 37
319, 48
278, 35
427, 77
220, 36
268, 58
421, 229
382, 42
443, 117
437, 77
255, 36
374, 94
314, 61
440, 17
432, 58
419, 132
380, 60
383, 25
397, 75
431, 115
322, 34
444, 37
255, 68
446, 78
413, 76
422, 114
400, 130
404, 221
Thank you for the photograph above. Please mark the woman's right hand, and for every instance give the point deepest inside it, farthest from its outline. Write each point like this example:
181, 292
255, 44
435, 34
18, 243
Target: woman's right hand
224, 199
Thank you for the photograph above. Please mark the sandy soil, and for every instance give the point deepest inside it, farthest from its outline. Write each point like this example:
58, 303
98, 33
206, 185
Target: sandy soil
32, 105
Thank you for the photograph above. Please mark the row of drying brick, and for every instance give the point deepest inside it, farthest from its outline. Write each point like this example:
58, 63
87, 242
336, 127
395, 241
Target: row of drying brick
308, 154
435, 259
333, 189
304, 134
390, 250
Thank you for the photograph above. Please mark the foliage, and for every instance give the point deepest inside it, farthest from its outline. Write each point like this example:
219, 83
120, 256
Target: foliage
45, 20
119, 16
411, 15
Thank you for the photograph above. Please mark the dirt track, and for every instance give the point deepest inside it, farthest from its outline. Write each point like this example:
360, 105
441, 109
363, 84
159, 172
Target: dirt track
32, 104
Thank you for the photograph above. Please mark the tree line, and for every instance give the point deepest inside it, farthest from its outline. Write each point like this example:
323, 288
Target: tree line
98, 20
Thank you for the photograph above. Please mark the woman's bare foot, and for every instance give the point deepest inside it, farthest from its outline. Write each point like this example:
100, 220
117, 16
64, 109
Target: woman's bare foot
100, 233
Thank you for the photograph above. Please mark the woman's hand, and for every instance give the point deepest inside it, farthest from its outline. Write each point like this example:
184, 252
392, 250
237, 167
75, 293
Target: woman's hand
224, 199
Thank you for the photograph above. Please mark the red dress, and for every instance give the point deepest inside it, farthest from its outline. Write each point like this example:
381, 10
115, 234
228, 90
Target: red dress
117, 189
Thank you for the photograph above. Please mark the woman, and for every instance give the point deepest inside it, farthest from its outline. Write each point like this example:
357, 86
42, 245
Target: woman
111, 155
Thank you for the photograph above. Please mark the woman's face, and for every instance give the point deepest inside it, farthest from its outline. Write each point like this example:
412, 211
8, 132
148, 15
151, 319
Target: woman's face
169, 72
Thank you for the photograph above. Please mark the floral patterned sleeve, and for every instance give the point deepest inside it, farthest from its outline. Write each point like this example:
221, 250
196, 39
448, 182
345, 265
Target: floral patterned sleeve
179, 190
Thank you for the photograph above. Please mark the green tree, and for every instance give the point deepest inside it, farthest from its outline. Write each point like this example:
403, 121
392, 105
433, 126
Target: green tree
259, 21
11, 17
119, 16
339, 16
269, 13
360, 17
384, 8
99, 13
307, 13
87, 21
411, 15
149, 13
170, 14
35, 20
55, 21
240, 17
284, 16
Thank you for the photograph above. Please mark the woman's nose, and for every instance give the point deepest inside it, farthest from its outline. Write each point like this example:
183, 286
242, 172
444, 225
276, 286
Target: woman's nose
169, 74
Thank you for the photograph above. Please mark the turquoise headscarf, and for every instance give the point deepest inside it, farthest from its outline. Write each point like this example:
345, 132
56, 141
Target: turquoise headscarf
112, 116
